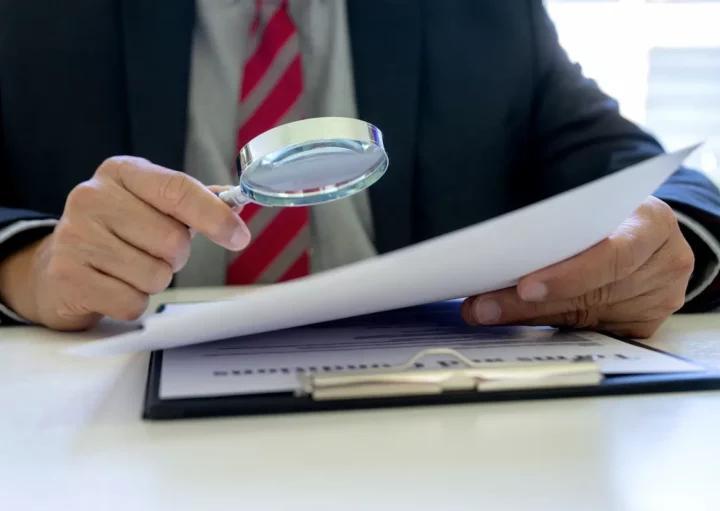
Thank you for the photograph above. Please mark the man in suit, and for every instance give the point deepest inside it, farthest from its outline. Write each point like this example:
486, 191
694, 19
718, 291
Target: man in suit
481, 110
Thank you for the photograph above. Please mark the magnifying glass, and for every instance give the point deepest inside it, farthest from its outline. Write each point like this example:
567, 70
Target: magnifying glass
308, 162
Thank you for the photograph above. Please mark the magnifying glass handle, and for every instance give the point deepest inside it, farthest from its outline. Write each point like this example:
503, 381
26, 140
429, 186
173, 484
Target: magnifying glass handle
233, 197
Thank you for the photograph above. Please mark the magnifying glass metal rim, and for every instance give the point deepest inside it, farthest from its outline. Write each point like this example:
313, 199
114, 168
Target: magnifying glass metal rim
304, 133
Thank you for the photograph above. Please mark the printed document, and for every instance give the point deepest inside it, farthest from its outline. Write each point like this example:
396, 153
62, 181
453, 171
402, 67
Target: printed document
271, 362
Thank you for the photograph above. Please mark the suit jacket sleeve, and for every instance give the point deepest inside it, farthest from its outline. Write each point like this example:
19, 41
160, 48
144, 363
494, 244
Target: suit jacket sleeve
18, 228
9, 216
11, 213
580, 135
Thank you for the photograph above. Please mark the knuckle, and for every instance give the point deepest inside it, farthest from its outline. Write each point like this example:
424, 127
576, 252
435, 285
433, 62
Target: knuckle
132, 307
124, 256
159, 278
580, 318
664, 213
115, 165
594, 298
83, 197
571, 319
109, 167
661, 213
625, 257
181, 259
75, 306
673, 303
175, 188
176, 245
684, 261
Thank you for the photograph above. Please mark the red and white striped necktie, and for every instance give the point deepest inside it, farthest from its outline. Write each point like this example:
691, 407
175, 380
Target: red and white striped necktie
270, 95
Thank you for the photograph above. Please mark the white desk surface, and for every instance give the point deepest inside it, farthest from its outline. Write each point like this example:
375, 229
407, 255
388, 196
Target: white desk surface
71, 437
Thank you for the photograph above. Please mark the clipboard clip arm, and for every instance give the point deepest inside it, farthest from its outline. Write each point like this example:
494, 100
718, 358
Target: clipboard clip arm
408, 380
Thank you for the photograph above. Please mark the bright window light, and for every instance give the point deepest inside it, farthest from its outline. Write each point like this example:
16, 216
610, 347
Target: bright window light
659, 59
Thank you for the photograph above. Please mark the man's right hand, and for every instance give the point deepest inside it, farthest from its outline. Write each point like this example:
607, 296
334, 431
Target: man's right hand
121, 237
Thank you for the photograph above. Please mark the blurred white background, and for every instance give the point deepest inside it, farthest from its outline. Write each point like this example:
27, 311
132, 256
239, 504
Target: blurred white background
659, 58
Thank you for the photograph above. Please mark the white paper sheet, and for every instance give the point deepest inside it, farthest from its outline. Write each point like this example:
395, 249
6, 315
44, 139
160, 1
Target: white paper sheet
480, 258
270, 362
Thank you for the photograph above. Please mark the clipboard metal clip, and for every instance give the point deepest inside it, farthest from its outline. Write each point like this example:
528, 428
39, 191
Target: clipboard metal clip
408, 380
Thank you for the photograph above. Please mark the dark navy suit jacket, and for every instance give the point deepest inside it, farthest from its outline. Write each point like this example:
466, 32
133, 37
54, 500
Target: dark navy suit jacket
481, 110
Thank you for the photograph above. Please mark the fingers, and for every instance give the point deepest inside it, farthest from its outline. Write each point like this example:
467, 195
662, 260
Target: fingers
661, 302
134, 267
651, 307
121, 237
105, 295
506, 307
639, 317
638, 298
669, 268
75, 296
90, 245
150, 231
611, 260
180, 196
629, 283
640, 304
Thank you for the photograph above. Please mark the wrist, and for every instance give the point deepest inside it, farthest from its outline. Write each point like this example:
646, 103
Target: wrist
17, 281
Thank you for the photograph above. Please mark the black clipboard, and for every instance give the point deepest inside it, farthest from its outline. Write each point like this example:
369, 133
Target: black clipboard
157, 408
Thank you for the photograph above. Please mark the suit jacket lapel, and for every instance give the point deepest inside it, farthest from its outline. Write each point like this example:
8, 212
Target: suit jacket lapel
157, 44
386, 39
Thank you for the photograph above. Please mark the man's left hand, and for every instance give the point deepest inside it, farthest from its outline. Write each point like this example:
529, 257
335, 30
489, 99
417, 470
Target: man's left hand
628, 284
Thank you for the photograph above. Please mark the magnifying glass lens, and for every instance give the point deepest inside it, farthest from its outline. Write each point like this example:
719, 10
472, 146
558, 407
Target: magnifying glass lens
313, 173
308, 162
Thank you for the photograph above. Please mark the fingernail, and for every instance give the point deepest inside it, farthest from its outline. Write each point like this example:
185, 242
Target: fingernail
534, 292
487, 312
240, 237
